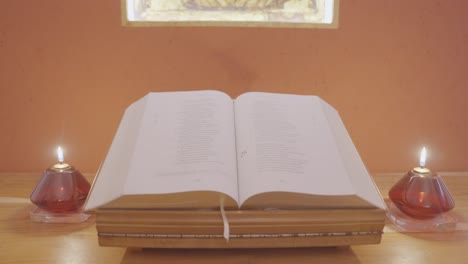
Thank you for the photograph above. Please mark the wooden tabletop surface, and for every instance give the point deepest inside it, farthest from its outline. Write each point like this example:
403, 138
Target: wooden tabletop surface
26, 242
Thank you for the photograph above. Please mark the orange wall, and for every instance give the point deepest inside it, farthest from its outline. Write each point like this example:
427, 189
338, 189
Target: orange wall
396, 70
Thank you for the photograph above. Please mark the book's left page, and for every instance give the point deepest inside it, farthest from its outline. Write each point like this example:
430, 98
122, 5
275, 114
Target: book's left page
183, 155
109, 185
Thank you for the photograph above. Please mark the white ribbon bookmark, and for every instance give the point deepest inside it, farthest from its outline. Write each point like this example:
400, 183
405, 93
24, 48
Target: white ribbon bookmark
225, 223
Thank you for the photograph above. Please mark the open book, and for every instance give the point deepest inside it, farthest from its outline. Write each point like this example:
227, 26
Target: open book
187, 150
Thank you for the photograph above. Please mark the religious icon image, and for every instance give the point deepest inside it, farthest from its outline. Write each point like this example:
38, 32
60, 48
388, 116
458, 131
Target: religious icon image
232, 12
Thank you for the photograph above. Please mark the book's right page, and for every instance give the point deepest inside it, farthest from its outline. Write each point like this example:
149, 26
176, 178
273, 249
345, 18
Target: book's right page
288, 155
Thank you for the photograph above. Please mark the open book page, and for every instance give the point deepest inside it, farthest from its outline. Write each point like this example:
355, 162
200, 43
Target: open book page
362, 182
186, 143
284, 144
185, 147
110, 182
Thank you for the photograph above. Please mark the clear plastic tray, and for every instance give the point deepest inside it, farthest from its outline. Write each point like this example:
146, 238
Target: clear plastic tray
443, 222
41, 216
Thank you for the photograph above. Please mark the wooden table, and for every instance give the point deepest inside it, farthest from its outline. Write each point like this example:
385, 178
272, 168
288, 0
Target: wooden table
23, 241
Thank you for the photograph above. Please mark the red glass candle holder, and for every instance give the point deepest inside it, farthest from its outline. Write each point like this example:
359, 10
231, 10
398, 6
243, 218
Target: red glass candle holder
59, 195
421, 194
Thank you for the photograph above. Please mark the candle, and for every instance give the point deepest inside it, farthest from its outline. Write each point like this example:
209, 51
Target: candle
421, 193
422, 163
61, 165
62, 188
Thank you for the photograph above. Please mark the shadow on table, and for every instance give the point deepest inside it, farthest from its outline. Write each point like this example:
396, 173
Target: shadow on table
228, 256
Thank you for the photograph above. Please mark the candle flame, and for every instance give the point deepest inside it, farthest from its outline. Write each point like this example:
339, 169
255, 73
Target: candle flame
60, 154
422, 157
